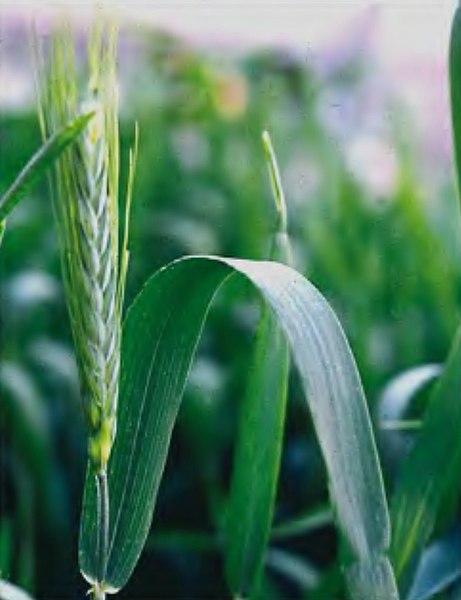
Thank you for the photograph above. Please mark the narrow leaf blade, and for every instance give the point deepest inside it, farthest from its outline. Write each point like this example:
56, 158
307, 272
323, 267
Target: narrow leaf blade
304, 524
257, 459
454, 65
260, 435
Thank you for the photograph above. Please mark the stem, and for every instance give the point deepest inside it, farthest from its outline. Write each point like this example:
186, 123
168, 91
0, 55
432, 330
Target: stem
97, 593
281, 247
276, 183
103, 531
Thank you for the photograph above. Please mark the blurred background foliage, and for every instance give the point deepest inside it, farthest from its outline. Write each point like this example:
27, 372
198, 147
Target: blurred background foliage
380, 242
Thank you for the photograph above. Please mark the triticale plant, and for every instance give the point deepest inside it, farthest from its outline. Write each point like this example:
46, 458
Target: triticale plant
151, 361
85, 205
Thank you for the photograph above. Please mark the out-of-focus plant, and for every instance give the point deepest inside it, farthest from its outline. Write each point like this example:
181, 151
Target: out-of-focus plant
19, 405
19, 409
36, 167
430, 476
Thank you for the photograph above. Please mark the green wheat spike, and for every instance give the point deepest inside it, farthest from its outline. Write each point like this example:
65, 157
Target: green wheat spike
85, 200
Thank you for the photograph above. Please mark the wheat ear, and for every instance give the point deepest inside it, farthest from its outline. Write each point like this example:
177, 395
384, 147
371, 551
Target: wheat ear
85, 200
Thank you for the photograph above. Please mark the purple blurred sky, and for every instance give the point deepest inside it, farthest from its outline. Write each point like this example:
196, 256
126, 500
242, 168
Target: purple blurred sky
407, 39
406, 27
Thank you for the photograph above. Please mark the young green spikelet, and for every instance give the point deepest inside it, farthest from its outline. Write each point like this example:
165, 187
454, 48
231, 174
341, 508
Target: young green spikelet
85, 201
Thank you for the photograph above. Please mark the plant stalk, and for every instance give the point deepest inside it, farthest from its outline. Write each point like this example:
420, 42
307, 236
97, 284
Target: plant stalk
97, 593
102, 492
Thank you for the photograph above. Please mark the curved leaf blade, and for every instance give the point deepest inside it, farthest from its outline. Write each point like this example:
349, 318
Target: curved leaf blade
36, 167
8, 591
402, 389
160, 336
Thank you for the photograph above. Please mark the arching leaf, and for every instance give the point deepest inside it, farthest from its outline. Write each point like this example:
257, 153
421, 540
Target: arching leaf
160, 336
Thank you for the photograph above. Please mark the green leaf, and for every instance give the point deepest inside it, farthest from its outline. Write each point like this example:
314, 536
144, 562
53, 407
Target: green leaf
257, 459
401, 390
8, 591
304, 524
39, 163
430, 470
260, 435
455, 91
160, 336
